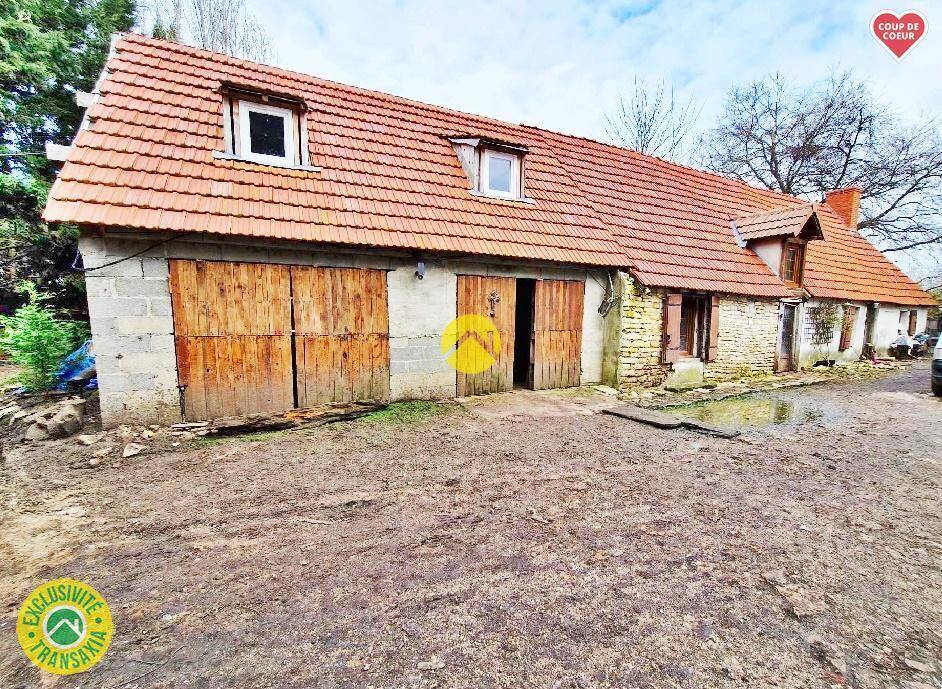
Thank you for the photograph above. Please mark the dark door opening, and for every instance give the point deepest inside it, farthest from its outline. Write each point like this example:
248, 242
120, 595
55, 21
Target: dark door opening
523, 334
786, 345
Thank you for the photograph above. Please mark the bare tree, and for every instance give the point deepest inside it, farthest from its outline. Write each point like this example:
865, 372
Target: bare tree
833, 135
225, 26
652, 121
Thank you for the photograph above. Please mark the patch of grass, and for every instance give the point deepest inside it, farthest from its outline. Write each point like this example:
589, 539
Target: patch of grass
407, 412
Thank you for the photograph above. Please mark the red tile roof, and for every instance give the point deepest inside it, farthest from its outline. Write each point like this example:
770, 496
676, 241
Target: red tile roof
781, 222
389, 178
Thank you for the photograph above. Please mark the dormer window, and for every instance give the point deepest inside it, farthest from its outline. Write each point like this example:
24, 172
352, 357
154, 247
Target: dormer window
793, 262
493, 168
265, 129
266, 132
500, 174
780, 237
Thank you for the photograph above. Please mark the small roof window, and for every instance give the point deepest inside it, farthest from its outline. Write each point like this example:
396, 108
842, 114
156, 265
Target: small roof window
264, 129
266, 132
500, 174
494, 168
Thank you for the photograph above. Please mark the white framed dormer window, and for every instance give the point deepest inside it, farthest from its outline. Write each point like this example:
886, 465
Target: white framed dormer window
267, 133
265, 129
500, 174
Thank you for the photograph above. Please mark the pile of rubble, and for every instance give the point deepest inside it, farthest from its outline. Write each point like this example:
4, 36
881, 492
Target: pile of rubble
126, 441
58, 419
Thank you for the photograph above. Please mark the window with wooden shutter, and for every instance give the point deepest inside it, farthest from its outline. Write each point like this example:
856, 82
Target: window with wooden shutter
912, 323
847, 327
714, 327
671, 350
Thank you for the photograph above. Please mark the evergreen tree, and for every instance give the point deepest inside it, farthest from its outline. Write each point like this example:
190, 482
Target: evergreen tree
48, 50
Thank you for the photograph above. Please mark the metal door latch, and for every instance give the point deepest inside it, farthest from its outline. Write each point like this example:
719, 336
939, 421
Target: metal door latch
493, 298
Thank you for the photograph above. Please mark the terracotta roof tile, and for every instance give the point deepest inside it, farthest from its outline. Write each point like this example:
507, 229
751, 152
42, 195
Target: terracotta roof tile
390, 178
775, 223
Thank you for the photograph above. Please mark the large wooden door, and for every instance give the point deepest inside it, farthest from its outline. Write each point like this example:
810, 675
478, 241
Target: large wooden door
232, 326
341, 334
496, 298
557, 333
257, 338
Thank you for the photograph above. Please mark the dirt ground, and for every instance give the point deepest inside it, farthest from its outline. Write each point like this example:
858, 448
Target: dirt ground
520, 541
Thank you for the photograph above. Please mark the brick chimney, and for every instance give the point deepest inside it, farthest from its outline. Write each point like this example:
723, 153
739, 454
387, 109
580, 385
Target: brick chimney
846, 203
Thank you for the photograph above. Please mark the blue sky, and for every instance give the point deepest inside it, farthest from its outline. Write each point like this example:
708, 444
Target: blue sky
561, 64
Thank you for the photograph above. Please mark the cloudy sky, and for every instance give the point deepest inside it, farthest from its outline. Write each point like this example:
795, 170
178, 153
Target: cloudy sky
561, 64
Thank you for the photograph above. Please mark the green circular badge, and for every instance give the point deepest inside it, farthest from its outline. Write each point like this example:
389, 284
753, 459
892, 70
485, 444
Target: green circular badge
64, 626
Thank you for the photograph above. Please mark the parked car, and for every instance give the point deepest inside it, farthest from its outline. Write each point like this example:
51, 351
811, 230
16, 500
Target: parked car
937, 370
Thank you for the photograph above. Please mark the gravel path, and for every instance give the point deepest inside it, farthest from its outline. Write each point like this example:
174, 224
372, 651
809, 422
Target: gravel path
467, 549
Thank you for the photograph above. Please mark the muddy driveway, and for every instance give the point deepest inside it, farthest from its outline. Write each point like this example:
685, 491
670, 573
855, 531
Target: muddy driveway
510, 544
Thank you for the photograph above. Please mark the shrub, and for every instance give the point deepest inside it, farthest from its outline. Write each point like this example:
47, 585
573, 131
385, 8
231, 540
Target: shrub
37, 339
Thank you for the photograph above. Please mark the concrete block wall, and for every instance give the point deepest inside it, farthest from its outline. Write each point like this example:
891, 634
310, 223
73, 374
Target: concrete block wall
132, 321
419, 310
132, 325
748, 337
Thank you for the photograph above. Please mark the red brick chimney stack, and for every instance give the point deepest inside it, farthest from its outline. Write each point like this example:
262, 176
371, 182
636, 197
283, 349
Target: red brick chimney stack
846, 203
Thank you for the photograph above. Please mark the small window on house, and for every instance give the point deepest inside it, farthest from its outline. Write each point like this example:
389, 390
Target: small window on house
500, 174
265, 129
266, 133
793, 257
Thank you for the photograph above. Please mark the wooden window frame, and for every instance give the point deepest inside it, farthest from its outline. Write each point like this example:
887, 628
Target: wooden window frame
702, 330
798, 265
694, 306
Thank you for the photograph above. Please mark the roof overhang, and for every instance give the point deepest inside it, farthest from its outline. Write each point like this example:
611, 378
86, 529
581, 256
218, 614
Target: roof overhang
795, 221
489, 142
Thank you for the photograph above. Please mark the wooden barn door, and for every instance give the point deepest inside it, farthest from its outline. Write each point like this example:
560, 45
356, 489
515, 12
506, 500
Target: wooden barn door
557, 333
496, 298
341, 334
232, 326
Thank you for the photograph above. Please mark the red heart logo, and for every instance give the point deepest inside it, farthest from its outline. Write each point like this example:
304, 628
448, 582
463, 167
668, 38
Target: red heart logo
898, 34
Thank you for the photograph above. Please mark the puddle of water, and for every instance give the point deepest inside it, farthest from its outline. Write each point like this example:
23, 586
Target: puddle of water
755, 412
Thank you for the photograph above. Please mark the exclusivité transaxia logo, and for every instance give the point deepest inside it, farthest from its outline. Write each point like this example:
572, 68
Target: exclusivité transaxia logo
64, 626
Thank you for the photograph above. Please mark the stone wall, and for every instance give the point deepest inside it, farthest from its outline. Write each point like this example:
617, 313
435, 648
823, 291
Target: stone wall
639, 351
748, 337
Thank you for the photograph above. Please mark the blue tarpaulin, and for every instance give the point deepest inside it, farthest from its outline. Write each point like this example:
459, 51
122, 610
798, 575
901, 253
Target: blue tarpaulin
78, 367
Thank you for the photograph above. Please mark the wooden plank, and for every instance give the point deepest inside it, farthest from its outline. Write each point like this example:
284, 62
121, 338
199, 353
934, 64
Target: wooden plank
557, 337
473, 298
225, 316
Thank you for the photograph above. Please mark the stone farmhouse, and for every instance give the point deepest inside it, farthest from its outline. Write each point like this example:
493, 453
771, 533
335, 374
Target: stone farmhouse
256, 239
